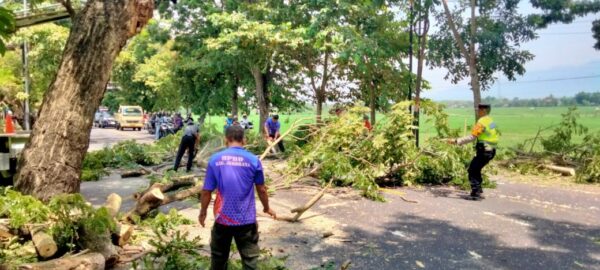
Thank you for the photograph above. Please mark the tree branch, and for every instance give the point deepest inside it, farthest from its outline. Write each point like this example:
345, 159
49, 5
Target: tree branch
68, 6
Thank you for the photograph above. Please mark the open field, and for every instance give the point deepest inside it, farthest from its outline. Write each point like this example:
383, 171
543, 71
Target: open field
516, 124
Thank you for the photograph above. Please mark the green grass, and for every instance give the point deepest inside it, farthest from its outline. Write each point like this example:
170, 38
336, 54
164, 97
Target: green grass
515, 124
519, 124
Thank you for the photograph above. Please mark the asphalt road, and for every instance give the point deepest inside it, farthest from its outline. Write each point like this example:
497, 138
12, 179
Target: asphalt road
520, 225
101, 137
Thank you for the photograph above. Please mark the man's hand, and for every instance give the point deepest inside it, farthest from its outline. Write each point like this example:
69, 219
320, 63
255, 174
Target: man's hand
451, 141
202, 218
270, 212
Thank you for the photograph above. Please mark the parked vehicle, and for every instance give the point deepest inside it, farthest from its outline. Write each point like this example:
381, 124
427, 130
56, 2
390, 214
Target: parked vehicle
130, 117
107, 120
98, 115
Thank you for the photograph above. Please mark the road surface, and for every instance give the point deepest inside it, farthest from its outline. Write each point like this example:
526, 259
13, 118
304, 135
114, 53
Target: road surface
101, 137
520, 225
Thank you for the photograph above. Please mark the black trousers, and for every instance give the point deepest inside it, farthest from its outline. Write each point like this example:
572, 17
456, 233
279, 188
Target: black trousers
246, 240
279, 144
482, 158
187, 143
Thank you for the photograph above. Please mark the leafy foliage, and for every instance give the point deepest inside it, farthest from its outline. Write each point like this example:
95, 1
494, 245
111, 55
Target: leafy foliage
7, 27
69, 215
127, 154
347, 154
560, 145
165, 223
501, 29
22, 209
73, 215
561, 140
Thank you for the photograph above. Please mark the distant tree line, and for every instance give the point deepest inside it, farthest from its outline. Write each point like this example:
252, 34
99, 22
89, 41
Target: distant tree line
580, 99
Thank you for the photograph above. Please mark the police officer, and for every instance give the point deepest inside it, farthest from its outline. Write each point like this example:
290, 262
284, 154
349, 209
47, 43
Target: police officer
189, 142
486, 135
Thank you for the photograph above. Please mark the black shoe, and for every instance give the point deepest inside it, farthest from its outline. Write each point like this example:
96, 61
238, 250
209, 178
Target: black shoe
474, 196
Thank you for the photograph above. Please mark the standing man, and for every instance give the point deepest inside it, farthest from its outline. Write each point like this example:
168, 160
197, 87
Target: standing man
189, 142
272, 127
486, 135
234, 173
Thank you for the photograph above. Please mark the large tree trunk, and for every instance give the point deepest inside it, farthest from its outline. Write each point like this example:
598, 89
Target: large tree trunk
473, 73
51, 162
321, 92
261, 97
372, 102
468, 55
234, 98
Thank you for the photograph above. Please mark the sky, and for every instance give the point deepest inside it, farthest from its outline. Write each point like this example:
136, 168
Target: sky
565, 63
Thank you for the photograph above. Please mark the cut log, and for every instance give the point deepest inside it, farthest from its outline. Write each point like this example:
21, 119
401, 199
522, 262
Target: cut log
99, 243
44, 243
143, 205
5, 232
562, 170
177, 183
123, 234
88, 261
113, 204
135, 173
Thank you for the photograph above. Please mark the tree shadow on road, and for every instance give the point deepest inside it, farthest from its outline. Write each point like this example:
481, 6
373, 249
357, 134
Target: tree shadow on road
413, 242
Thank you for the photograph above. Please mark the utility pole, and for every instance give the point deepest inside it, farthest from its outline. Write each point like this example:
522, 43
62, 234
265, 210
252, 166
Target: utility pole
25, 51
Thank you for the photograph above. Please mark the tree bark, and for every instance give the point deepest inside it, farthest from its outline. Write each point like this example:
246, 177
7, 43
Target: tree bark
372, 102
234, 98
473, 73
88, 261
468, 55
51, 162
261, 96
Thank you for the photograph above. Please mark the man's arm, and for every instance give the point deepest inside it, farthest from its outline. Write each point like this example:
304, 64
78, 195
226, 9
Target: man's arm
475, 132
205, 197
264, 199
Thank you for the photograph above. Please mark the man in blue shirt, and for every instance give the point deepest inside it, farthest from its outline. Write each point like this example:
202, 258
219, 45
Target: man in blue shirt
272, 127
234, 173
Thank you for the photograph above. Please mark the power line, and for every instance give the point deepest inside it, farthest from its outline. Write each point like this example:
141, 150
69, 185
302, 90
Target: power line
557, 79
566, 33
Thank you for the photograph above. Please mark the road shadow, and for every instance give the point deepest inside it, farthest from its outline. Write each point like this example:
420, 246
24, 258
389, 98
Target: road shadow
413, 242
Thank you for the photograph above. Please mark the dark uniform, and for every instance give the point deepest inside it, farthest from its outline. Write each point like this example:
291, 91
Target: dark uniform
188, 142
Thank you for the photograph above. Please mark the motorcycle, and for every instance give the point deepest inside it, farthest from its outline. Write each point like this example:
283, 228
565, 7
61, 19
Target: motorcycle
166, 129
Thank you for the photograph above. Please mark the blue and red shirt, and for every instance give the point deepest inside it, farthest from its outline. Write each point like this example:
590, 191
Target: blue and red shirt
272, 126
233, 173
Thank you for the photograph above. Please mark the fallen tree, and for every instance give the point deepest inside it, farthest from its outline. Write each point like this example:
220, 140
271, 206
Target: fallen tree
558, 153
345, 152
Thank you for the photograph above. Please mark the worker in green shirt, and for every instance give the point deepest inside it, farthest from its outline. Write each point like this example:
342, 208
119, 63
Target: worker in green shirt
486, 135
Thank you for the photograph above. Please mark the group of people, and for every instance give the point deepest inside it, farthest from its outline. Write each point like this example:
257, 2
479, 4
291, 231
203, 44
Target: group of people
233, 120
235, 174
175, 121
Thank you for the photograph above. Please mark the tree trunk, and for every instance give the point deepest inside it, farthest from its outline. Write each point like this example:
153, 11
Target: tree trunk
234, 98
51, 162
475, 86
321, 91
201, 119
372, 103
261, 97
468, 55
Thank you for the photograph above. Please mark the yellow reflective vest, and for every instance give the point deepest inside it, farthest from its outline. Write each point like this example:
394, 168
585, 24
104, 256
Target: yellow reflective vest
490, 133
